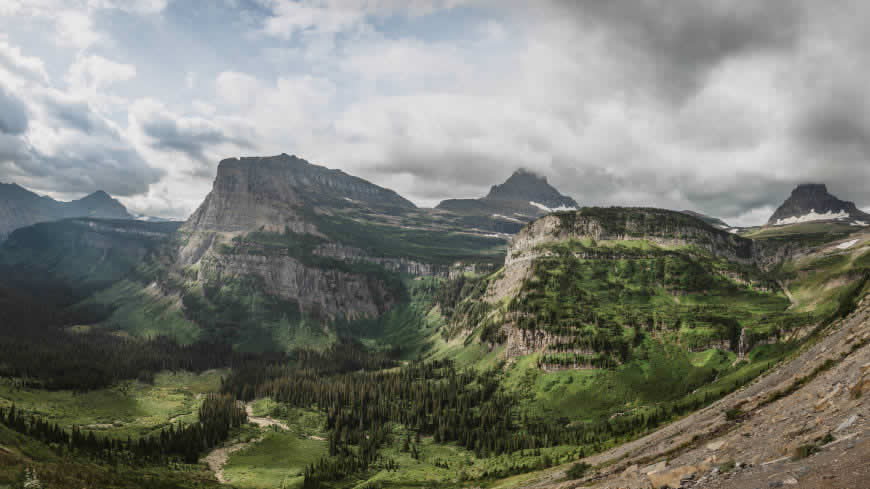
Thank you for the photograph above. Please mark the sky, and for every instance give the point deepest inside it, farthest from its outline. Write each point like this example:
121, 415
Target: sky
719, 106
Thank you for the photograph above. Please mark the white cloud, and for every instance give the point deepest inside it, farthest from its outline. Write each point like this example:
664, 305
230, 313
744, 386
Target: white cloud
144, 7
93, 72
19, 65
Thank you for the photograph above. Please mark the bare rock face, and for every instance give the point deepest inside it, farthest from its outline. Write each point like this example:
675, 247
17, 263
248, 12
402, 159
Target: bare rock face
812, 202
269, 193
320, 292
666, 228
280, 194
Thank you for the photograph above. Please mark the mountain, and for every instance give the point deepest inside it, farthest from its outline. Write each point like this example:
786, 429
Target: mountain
291, 250
20, 207
510, 205
811, 202
713, 221
74, 257
269, 192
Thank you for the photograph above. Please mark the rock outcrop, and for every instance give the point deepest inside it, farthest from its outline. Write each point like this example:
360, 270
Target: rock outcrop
662, 227
811, 202
271, 192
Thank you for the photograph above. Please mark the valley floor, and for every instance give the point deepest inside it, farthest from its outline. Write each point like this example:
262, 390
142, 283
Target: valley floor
803, 425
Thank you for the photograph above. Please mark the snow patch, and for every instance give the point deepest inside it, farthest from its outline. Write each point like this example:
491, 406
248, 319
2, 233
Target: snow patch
506, 218
813, 216
561, 208
847, 244
859, 223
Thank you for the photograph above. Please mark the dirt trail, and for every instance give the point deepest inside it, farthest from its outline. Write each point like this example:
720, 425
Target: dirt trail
687, 453
219, 456
265, 421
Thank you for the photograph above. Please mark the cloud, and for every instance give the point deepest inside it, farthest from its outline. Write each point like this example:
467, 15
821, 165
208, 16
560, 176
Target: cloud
17, 64
192, 136
142, 7
13, 113
94, 72
719, 106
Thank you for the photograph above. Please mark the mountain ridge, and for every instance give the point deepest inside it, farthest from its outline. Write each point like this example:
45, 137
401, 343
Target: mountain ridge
19, 207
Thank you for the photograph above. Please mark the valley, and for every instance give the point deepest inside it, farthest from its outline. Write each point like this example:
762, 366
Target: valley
307, 328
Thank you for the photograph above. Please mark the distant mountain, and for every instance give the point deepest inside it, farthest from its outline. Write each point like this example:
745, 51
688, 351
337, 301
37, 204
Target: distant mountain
713, 221
507, 207
20, 207
811, 202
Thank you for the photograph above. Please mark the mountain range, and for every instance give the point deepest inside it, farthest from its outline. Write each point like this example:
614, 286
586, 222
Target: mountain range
307, 328
20, 207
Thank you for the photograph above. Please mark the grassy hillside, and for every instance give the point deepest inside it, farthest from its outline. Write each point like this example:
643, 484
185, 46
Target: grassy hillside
76, 257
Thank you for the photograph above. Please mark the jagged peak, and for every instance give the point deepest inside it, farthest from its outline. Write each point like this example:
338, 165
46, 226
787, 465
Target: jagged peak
810, 202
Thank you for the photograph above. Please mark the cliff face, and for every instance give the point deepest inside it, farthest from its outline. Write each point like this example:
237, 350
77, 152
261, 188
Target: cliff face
250, 193
282, 194
320, 292
666, 228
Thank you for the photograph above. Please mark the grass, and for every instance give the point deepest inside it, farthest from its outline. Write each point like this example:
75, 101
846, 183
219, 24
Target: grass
809, 228
130, 409
142, 311
18, 452
277, 461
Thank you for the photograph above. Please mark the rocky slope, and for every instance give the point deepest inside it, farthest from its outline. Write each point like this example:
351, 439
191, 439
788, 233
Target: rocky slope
804, 425
811, 202
510, 205
20, 207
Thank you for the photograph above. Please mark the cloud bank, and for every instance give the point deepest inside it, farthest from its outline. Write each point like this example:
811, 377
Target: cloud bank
720, 107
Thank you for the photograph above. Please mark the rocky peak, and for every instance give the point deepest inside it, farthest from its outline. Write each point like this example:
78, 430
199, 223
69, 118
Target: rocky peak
98, 204
812, 202
254, 192
526, 186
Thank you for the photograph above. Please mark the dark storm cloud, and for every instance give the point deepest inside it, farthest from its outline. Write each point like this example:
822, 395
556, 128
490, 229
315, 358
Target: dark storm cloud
13, 113
85, 169
678, 41
838, 121
168, 134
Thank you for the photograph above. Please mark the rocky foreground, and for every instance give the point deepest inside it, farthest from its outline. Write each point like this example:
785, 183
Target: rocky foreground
804, 425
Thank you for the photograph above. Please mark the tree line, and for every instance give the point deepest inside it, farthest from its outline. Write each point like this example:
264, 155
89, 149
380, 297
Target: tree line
177, 443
